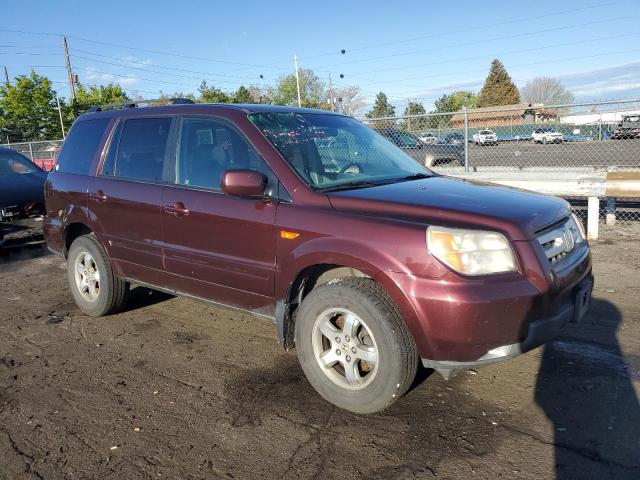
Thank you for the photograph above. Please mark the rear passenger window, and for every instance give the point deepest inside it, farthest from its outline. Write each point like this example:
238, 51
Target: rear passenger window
80, 146
210, 147
141, 150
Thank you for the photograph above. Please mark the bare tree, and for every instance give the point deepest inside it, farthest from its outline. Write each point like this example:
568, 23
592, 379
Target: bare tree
349, 100
546, 90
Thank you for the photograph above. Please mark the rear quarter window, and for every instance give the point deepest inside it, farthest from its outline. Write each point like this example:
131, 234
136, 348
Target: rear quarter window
80, 146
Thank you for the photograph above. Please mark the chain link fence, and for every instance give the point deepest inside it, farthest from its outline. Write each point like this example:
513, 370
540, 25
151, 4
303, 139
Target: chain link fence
43, 153
525, 139
581, 136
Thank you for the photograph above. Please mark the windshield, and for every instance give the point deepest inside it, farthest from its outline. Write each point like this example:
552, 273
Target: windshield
12, 162
328, 151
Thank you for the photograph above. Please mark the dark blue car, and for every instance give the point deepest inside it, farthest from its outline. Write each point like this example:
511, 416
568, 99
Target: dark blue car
21, 199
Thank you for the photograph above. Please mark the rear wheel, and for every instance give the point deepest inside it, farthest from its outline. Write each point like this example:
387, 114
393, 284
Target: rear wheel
353, 345
94, 286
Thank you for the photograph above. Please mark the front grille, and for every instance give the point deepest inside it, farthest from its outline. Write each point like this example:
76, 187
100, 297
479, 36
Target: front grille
560, 239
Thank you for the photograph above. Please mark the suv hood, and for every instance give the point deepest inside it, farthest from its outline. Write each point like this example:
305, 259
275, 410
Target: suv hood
456, 202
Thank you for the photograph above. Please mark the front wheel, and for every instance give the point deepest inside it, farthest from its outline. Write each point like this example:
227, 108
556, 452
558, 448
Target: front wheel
94, 286
353, 345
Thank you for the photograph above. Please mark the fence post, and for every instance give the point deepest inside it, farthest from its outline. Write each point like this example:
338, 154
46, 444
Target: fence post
466, 140
593, 211
31, 150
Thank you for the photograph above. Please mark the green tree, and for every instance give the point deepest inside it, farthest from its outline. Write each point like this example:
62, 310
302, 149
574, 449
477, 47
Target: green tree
413, 108
381, 107
28, 109
498, 89
93, 96
212, 94
312, 90
452, 102
243, 95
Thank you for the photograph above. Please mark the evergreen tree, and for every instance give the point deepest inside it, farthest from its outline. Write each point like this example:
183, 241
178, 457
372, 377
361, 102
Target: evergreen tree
498, 88
414, 108
381, 107
243, 95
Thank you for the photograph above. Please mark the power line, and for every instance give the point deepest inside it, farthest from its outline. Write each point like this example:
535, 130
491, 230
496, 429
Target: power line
477, 42
495, 55
555, 13
130, 64
512, 66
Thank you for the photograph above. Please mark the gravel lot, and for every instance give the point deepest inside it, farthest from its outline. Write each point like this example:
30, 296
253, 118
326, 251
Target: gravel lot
173, 388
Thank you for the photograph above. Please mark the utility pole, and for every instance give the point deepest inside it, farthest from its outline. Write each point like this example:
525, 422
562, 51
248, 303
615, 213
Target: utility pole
60, 114
332, 101
72, 88
6, 77
295, 63
409, 114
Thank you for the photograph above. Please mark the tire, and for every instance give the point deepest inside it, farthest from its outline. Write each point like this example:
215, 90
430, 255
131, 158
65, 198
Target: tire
94, 286
379, 336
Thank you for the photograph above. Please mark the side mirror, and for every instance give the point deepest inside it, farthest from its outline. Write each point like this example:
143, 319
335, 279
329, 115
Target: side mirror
243, 183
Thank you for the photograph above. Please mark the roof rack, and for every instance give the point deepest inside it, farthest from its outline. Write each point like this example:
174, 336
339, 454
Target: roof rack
138, 103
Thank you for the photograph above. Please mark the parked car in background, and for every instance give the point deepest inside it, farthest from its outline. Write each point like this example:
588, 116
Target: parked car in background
485, 137
366, 261
21, 199
629, 127
546, 135
429, 155
428, 138
454, 139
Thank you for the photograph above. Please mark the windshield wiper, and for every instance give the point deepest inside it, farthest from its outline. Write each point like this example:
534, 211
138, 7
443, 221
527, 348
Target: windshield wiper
351, 186
415, 176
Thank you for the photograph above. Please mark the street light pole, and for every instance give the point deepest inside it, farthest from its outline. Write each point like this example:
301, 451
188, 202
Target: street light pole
60, 114
295, 63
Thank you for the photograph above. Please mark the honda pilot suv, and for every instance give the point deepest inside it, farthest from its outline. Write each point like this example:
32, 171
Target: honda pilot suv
367, 262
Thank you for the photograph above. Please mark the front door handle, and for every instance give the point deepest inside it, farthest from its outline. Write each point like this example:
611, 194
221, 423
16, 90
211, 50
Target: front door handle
178, 209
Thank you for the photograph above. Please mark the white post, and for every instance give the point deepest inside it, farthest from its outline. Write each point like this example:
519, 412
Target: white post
593, 210
295, 62
60, 113
466, 139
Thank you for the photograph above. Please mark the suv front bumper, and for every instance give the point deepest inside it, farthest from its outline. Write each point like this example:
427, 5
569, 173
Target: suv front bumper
539, 332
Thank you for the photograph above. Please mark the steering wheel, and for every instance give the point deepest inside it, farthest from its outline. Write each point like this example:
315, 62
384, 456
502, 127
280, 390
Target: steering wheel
348, 166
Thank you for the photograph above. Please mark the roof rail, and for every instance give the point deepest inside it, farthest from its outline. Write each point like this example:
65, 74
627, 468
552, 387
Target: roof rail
138, 103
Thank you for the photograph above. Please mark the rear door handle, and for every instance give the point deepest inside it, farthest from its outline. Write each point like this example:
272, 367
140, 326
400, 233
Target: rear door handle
99, 196
178, 209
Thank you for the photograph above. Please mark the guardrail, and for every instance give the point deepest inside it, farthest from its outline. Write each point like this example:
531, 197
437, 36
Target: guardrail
594, 184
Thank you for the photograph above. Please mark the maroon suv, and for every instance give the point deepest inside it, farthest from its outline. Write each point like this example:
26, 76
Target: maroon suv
364, 259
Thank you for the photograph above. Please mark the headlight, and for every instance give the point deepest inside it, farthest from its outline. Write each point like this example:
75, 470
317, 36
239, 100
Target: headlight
471, 252
580, 226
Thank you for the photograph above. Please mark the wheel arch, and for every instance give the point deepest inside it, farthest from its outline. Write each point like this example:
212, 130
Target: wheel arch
71, 232
321, 268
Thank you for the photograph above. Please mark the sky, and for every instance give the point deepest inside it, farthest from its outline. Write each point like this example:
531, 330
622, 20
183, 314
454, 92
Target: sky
414, 49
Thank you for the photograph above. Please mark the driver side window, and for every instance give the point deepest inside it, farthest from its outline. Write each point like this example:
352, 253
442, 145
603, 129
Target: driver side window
207, 148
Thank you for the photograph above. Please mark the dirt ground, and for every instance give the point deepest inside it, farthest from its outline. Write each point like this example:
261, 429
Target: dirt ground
173, 388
